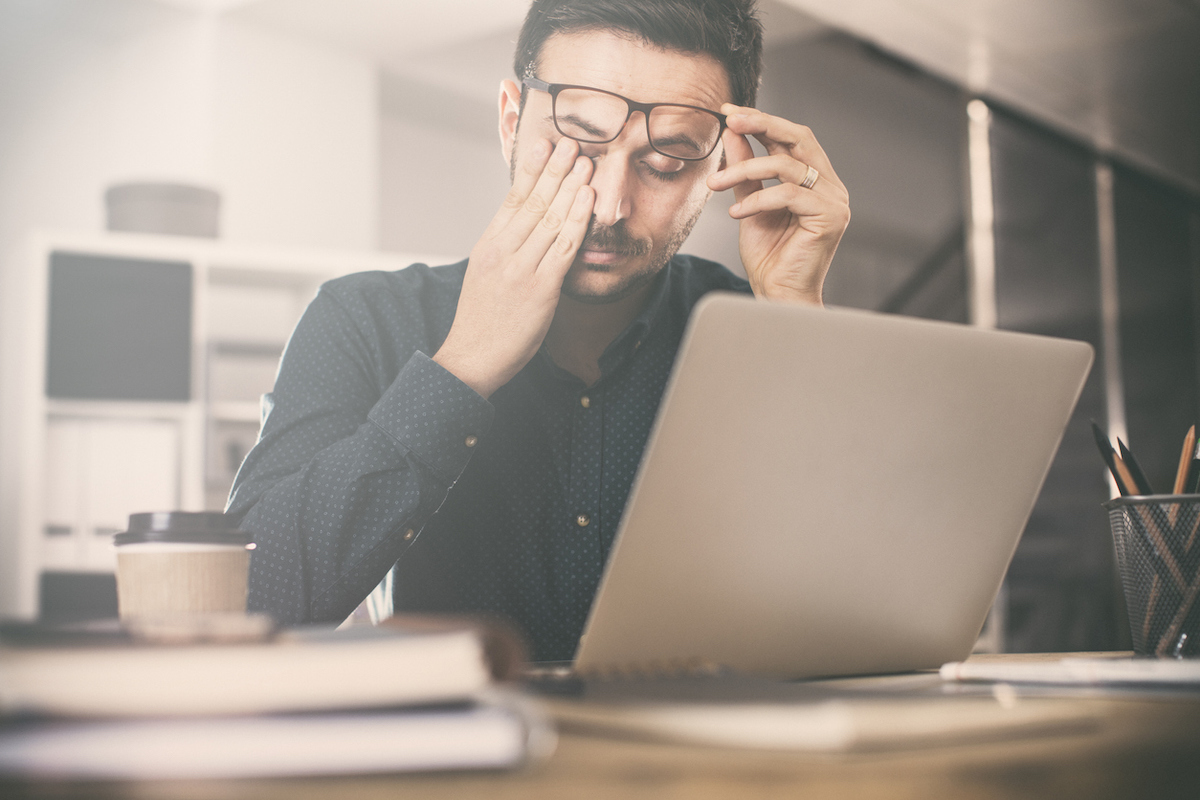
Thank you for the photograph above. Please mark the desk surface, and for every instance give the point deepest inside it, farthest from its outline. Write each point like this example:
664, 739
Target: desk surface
1141, 748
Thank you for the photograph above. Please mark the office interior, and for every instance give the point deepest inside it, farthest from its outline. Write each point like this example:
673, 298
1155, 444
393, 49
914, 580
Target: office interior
1022, 165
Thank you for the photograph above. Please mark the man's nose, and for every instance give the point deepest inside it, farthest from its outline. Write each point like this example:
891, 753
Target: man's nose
611, 180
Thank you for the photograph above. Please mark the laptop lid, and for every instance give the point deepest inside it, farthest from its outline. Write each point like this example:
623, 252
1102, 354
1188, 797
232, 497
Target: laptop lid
829, 492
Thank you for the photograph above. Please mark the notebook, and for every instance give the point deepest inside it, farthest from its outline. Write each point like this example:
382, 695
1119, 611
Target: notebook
829, 492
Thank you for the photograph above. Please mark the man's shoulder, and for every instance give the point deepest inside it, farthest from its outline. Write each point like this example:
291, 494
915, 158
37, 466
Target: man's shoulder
416, 279
404, 305
416, 289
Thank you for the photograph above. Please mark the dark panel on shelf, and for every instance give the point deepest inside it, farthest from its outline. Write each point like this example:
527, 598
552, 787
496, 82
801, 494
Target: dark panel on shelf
1062, 589
119, 328
76, 596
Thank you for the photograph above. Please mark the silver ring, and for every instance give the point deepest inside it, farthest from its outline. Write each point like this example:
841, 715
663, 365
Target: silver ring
810, 178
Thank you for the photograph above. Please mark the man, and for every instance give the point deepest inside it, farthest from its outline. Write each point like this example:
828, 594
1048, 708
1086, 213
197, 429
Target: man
477, 426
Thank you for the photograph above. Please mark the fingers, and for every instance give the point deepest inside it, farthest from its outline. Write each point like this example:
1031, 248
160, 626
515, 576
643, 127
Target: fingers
737, 153
781, 136
779, 167
558, 176
561, 254
564, 223
815, 210
545, 215
525, 177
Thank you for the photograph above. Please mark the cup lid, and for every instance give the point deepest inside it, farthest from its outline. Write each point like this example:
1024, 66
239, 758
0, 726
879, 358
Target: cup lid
193, 527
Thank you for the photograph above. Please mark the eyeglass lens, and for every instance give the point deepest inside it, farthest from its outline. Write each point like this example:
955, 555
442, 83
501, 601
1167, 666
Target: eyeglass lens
678, 131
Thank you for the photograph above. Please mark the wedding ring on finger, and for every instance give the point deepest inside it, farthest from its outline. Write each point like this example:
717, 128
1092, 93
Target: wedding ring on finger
810, 178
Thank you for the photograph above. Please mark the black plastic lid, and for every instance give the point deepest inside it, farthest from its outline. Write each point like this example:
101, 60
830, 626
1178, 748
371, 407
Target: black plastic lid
193, 527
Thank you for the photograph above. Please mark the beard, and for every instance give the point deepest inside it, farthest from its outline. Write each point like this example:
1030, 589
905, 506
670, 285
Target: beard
639, 264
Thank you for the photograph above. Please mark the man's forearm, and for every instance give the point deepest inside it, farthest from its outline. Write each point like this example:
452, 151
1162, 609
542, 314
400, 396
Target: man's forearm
334, 496
327, 534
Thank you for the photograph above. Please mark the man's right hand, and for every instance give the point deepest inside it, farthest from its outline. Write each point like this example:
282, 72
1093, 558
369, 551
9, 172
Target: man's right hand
516, 270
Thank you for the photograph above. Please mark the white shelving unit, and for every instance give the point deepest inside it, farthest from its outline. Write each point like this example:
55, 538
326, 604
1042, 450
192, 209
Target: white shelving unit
76, 468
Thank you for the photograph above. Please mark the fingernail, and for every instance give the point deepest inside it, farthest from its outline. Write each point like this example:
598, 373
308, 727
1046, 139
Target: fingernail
581, 164
736, 207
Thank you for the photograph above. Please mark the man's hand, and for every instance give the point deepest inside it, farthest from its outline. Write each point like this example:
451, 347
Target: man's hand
788, 233
516, 270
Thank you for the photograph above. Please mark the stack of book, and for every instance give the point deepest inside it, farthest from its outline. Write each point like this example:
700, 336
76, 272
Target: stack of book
306, 702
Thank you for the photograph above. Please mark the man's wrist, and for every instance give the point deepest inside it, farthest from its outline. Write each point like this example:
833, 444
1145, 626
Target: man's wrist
466, 370
788, 294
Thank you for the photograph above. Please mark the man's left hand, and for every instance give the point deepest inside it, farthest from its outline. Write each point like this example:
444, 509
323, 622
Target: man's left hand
788, 232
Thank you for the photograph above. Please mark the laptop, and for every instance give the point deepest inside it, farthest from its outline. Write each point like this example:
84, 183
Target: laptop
829, 492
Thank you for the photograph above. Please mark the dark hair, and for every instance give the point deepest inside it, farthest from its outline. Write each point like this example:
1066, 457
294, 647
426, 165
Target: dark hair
727, 30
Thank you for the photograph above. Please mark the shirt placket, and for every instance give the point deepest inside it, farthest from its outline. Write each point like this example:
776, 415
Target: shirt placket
582, 548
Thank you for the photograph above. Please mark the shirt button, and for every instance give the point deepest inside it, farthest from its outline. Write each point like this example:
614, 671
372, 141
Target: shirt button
582, 520
471, 441
409, 534
585, 401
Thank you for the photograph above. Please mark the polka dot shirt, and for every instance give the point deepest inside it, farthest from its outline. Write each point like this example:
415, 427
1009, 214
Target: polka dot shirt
372, 457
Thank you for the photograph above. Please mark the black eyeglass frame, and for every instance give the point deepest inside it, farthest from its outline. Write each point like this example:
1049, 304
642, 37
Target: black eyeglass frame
553, 89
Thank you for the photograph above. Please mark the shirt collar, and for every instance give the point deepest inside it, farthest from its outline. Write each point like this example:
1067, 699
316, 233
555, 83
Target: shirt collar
629, 340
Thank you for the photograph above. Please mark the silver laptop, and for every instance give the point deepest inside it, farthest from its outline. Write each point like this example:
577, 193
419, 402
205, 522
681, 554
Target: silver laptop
829, 492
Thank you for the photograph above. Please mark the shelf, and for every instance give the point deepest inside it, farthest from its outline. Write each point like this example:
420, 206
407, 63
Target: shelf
82, 464
117, 409
235, 411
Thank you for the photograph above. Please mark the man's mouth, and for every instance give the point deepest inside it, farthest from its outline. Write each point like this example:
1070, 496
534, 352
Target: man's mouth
592, 256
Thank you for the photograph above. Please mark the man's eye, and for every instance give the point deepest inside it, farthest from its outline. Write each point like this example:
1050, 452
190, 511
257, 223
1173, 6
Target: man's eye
664, 168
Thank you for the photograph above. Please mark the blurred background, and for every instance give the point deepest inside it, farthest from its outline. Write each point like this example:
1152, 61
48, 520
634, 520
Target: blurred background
1021, 164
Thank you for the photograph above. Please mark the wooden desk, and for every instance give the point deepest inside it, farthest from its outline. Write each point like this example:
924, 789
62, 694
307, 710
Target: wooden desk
1141, 748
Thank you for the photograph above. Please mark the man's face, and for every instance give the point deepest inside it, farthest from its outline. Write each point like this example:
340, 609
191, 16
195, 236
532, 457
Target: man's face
646, 203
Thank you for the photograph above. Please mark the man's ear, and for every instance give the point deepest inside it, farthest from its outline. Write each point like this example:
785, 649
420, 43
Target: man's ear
510, 115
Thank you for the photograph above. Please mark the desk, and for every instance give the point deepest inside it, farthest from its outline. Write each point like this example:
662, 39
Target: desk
1142, 749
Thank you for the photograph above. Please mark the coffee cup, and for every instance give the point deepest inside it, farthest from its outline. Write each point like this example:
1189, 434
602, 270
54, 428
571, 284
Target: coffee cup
179, 563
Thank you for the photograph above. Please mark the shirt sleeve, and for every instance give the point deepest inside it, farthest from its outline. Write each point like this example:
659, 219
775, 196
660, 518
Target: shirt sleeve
346, 470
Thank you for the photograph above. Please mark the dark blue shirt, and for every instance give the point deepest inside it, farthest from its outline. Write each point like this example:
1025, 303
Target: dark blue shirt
372, 455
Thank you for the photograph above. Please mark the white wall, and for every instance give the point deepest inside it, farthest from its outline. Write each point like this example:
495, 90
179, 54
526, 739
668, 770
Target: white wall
99, 91
296, 145
439, 186
95, 92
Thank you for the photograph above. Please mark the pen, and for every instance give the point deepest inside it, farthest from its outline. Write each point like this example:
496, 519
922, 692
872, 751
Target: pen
1106, 453
1192, 486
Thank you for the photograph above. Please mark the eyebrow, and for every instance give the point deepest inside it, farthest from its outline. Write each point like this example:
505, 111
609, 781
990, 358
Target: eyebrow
687, 141
587, 127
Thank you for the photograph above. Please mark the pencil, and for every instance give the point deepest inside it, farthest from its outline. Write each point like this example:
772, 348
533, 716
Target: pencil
1125, 479
1135, 470
1185, 461
1181, 473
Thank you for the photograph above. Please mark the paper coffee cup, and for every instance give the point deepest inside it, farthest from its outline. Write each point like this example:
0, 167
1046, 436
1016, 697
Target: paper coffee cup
181, 563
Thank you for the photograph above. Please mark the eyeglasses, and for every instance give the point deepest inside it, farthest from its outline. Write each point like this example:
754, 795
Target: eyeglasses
595, 116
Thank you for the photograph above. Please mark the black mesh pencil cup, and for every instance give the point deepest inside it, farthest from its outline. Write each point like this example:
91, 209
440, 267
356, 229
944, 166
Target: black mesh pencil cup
1157, 540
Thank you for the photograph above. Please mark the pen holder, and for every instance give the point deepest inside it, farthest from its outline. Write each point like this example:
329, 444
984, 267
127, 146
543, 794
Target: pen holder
1157, 540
